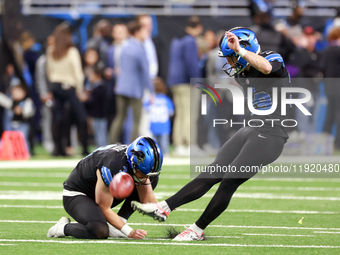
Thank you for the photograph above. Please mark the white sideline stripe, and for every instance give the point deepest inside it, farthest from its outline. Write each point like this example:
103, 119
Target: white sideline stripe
224, 236
32, 184
173, 243
183, 210
325, 232
251, 234
183, 225
56, 195
270, 188
35, 175
263, 211
288, 188
33, 206
256, 178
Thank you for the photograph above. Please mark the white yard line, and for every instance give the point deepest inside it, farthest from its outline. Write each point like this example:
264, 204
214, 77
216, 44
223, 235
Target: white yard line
263, 211
57, 195
187, 224
252, 234
325, 232
33, 206
32, 184
172, 243
184, 210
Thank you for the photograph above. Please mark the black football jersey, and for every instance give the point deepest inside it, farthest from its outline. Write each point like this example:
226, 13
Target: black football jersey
83, 178
262, 88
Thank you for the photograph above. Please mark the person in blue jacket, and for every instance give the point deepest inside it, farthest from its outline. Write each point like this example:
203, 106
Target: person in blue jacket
131, 82
183, 65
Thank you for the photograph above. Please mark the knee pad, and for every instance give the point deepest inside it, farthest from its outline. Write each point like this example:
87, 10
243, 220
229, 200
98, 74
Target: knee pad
98, 230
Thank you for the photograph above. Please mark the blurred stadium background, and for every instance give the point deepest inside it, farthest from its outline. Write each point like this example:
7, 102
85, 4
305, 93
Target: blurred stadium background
305, 25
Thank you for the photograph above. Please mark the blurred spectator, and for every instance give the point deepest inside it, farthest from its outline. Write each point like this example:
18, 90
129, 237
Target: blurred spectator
120, 34
294, 22
146, 22
330, 65
270, 38
216, 136
65, 73
160, 110
31, 55
91, 58
46, 97
210, 38
203, 49
332, 23
305, 64
19, 109
96, 102
102, 38
295, 18
131, 82
183, 65
260, 6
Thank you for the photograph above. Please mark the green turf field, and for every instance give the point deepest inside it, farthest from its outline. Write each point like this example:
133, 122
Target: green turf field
261, 219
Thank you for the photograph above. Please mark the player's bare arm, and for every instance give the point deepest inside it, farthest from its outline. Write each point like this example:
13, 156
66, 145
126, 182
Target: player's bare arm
104, 200
145, 193
255, 60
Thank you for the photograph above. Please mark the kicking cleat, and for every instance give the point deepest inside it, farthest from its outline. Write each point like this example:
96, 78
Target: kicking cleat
58, 229
150, 209
188, 235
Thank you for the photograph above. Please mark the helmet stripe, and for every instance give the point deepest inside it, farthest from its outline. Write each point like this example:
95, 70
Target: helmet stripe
156, 153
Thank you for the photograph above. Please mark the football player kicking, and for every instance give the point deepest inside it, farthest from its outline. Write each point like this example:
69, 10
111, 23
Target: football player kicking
249, 146
86, 195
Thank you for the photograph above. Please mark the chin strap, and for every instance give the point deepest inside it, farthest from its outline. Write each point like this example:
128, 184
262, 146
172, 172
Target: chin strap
139, 181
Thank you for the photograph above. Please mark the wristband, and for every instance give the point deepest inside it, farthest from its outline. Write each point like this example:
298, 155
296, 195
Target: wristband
241, 52
126, 229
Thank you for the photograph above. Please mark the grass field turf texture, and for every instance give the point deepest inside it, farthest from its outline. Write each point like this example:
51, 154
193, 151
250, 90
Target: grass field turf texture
262, 217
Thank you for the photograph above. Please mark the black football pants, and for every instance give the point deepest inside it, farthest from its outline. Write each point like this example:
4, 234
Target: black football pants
91, 221
248, 147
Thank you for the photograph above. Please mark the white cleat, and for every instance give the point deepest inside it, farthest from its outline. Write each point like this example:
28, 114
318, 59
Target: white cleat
58, 229
114, 233
188, 235
150, 209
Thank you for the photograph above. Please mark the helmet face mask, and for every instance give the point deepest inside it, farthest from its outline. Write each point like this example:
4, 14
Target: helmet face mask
247, 40
233, 65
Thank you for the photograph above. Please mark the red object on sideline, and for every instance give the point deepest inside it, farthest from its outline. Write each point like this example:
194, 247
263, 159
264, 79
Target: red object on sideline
13, 146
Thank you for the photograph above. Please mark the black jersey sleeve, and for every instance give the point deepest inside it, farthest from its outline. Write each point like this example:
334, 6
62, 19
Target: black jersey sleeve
276, 61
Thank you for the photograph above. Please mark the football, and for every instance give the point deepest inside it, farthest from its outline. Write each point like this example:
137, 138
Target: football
121, 185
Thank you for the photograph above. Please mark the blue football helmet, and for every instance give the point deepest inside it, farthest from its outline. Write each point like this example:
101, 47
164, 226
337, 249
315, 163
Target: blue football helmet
145, 156
247, 41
